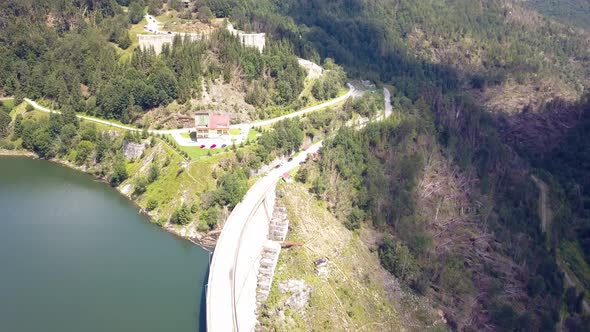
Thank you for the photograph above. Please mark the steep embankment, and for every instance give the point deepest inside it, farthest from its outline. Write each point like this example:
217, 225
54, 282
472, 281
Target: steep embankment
350, 291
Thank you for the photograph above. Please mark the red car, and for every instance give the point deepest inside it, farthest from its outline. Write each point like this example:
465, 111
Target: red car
213, 146
203, 146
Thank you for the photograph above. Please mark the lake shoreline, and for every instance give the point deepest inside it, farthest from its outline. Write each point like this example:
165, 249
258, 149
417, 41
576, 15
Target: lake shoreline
206, 245
76, 253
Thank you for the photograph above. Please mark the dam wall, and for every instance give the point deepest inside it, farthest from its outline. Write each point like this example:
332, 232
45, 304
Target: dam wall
157, 41
257, 40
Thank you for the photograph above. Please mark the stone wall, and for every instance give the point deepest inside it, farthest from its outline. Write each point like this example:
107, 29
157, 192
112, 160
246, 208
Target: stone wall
279, 225
266, 271
277, 232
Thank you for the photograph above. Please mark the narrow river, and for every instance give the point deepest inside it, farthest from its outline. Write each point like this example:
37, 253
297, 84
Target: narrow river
76, 256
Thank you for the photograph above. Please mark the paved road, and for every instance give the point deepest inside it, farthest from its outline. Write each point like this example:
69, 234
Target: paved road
245, 127
108, 123
151, 25
222, 305
388, 107
221, 297
352, 92
543, 190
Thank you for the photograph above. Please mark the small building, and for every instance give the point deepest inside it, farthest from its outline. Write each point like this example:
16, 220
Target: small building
211, 125
287, 177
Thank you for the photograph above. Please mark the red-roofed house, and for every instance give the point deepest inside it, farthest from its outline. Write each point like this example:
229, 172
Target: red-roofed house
287, 177
211, 124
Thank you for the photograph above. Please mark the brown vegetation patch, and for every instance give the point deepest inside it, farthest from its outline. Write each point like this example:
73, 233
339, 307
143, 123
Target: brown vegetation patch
540, 132
465, 250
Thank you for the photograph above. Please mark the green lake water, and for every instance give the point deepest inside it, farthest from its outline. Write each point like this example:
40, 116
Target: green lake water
76, 256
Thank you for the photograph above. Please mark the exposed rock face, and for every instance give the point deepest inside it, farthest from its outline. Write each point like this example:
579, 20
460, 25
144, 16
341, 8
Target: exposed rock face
313, 70
132, 150
300, 293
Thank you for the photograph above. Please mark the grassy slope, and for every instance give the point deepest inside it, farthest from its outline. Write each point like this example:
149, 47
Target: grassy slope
134, 30
6, 105
176, 184
352, 296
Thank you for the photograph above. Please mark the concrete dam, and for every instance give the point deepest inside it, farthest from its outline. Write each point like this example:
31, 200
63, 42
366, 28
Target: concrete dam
157, 41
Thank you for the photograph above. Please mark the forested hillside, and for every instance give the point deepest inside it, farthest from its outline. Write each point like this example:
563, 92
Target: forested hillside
456, 199
576, 12
70, 53
507, 55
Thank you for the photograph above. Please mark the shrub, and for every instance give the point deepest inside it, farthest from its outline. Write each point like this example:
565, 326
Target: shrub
152, 204
6, 144
202, 226
194, 208
154, 172
354, 219
302, 175
232, 187
84, 150
397, 259
140, 186
119, 171
211, 216
181, 216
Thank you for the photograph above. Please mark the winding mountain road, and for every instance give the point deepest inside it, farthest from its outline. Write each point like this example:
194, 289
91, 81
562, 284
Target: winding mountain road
244, 127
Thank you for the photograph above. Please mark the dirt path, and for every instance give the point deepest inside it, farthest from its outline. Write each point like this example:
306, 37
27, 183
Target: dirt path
545, 219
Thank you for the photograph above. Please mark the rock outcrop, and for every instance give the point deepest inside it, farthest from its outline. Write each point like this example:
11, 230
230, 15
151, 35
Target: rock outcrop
300, 293
132, 150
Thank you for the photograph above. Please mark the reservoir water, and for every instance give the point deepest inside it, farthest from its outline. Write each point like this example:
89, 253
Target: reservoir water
76, 256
